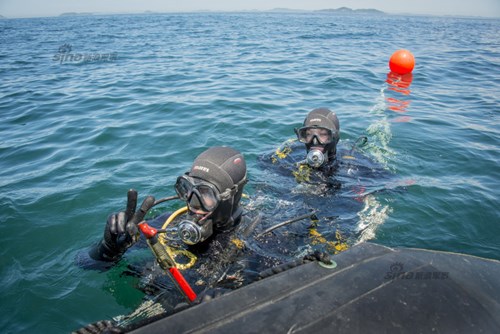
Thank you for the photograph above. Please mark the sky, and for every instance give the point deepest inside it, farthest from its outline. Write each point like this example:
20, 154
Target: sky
38, 8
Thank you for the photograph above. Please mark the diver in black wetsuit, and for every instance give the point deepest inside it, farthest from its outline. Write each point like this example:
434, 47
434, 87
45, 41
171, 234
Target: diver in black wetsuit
322, 161
212, 190
320, 133
207, 236
214, 231
313, 173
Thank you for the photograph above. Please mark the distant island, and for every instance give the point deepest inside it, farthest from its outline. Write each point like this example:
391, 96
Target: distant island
347, 10
341, 10
76, 14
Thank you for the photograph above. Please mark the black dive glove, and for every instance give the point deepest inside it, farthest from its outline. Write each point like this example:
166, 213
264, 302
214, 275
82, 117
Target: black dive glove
119, 234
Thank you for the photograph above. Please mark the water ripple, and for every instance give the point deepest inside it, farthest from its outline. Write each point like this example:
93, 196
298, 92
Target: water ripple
76, 135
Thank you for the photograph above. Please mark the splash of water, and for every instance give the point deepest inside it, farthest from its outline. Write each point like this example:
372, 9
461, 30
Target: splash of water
380, 134
373, 215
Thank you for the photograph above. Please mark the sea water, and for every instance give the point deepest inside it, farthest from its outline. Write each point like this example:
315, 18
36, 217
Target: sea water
91, 106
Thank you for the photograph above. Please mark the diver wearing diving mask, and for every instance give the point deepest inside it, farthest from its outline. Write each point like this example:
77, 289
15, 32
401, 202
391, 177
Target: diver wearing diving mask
320, 134
212, 190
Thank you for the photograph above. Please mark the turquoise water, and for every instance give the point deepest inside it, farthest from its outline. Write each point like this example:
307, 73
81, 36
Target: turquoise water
140, 96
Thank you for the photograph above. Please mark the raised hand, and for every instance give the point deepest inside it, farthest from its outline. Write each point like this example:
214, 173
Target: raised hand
120, 232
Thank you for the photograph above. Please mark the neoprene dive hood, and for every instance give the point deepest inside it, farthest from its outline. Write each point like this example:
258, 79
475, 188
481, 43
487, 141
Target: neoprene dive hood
320, 133
212, 189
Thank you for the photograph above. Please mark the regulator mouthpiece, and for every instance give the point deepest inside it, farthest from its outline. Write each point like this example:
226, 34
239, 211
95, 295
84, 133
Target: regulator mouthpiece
192, 233
315, 158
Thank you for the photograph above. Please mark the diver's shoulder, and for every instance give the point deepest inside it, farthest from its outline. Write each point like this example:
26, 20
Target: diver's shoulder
288, 151
358, 162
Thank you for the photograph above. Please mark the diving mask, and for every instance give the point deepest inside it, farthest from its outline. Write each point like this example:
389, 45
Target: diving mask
201, 196
202, 199
307, 135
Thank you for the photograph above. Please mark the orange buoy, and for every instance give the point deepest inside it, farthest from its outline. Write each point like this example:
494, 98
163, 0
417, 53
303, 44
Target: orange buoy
402, 62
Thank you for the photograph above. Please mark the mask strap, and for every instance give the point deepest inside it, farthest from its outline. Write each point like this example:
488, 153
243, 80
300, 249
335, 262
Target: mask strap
233, 191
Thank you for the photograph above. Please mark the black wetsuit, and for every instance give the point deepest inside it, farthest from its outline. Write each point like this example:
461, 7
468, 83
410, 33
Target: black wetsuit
232, 258
338, 192
223, 262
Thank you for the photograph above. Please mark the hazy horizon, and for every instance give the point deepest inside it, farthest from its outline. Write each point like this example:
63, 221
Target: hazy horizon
33, 8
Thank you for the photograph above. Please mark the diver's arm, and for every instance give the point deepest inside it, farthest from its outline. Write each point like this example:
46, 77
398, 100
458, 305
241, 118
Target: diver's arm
85, 260
100, 257
120, 233
109, 250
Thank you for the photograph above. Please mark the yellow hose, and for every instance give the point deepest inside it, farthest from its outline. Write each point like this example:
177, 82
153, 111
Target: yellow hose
173, 216
176, 252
